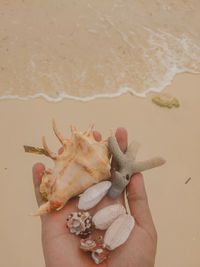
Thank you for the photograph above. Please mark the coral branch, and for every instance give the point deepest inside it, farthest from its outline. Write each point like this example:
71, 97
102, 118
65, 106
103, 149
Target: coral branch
118, 184
116, 151
127, 166
132, 150
147, 164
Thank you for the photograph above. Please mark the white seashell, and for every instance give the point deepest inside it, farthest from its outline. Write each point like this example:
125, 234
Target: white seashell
87, 244
119, 231
99, 255
106, 216
93, 195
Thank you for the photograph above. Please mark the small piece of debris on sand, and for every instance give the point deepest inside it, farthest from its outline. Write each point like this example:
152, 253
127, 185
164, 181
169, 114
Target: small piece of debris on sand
36, 150
188, 180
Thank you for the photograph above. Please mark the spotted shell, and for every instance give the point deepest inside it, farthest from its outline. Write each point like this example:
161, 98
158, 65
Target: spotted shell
82, 163
79, 223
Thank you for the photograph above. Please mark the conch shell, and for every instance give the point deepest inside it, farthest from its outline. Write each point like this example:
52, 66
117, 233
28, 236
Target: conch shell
82, 163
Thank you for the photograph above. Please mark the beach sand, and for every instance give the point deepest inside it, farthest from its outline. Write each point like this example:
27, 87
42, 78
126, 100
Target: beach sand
171, 133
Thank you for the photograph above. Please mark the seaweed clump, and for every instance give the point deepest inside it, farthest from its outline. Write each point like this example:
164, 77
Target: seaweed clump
166, 101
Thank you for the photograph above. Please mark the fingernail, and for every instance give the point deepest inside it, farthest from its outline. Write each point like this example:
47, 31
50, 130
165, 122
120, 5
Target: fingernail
60, 150
139, 175
97, 135
38, 170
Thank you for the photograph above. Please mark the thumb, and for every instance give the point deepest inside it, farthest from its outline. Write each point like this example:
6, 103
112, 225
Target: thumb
138, 203
38, 171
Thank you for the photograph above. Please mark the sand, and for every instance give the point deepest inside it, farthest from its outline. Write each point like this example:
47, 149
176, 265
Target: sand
174, 134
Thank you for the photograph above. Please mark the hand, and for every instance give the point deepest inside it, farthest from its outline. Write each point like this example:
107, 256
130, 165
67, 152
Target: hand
61, 248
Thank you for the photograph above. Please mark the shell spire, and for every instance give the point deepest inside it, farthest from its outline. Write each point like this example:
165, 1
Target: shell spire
57, 133
90, 130
51, 154
73, 129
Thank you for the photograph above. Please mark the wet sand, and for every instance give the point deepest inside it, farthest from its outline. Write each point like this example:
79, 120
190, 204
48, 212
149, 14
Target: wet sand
87, 48
174, 134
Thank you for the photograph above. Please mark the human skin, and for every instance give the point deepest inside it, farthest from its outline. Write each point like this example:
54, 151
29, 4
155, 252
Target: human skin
61, 248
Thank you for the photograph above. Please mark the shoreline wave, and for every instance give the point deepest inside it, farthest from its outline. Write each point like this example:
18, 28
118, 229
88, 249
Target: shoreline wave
120, 92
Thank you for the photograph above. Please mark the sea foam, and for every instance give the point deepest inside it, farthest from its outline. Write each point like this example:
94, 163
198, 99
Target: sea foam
96, 49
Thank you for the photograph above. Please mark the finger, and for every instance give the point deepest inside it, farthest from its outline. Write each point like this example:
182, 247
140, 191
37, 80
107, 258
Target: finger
97, 136
122, 138
38, 171
138, 202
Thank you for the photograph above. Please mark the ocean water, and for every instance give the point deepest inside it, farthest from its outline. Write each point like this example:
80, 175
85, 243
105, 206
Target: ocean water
83, 49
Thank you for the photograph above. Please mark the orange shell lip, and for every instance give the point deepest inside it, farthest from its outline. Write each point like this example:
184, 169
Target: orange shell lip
54, 205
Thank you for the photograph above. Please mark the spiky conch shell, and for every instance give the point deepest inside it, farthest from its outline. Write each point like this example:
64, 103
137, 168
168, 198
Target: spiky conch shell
82, 163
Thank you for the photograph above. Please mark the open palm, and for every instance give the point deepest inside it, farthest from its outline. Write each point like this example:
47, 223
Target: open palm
61, 248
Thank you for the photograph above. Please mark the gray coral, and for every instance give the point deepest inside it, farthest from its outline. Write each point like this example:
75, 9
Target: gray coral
127, 165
